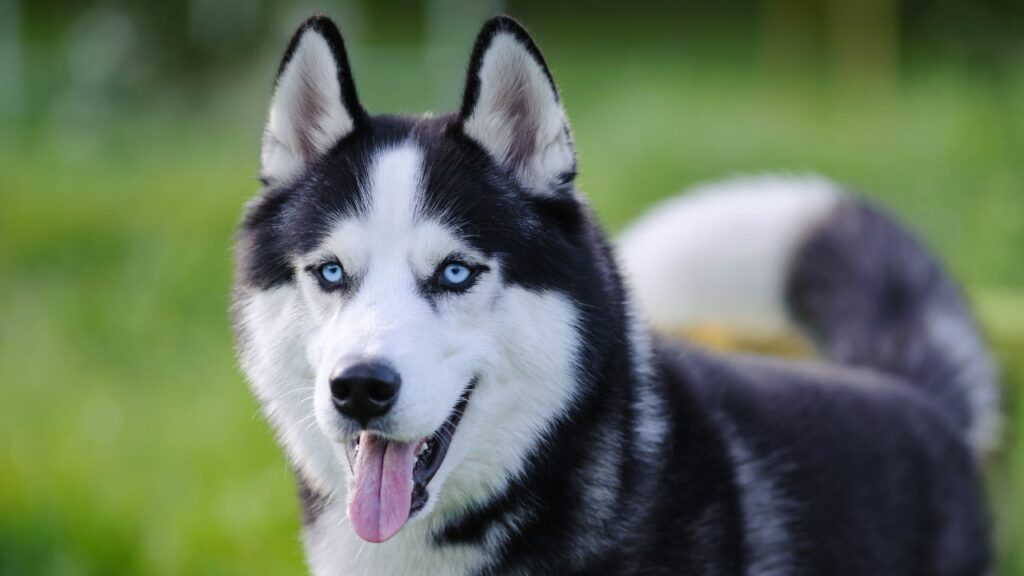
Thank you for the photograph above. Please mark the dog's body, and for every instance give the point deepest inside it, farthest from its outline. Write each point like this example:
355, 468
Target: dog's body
440, 336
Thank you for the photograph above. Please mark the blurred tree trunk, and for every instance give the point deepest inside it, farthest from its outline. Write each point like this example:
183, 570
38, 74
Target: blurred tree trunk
788, 36
863, 45
11, 89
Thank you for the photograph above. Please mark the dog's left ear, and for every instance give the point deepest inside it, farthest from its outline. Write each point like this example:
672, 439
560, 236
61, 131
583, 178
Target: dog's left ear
511, 108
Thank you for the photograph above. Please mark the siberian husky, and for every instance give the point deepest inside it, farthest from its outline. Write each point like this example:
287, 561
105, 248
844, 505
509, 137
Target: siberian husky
463, 373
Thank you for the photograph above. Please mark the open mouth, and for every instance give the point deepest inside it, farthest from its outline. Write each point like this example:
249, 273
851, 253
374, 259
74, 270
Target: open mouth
390, 478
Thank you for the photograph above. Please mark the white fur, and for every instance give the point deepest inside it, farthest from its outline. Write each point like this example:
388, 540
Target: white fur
764, 508
652, 422
719, 254
517, 101
979, 378
276, 324
294, 136
529, 381
334, 549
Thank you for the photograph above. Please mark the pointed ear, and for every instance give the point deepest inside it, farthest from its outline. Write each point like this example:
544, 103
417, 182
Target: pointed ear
314, 103
511, 108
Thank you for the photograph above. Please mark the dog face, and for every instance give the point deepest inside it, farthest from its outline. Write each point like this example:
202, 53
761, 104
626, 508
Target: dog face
409, 290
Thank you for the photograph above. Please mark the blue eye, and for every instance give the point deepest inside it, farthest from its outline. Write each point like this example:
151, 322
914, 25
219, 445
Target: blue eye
332, 273
456, 275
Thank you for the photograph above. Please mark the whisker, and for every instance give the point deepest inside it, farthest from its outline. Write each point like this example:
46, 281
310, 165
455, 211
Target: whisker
297, 390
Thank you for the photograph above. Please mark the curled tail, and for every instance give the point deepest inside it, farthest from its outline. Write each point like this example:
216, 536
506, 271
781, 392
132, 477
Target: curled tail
763, 255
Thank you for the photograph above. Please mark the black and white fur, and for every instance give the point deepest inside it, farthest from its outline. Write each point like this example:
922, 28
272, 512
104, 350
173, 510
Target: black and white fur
589, 447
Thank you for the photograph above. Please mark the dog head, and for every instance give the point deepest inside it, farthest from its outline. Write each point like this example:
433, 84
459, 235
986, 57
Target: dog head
410, 291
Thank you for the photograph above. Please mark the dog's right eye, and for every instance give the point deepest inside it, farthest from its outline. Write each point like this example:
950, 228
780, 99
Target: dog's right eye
331, 275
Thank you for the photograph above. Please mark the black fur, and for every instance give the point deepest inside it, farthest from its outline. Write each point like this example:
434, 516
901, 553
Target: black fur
312, 501
869, 475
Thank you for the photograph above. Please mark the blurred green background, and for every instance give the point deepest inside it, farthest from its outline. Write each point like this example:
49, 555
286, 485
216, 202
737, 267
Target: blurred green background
129, 137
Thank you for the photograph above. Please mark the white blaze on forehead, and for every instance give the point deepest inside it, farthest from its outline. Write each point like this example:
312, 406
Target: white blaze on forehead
392, 227
394, 190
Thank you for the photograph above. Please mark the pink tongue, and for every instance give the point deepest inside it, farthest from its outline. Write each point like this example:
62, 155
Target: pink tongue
382, 491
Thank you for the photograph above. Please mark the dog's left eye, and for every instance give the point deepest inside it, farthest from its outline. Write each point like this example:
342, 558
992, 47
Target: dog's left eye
456, 275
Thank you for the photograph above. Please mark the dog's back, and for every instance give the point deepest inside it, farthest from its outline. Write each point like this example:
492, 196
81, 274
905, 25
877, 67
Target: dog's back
864, 463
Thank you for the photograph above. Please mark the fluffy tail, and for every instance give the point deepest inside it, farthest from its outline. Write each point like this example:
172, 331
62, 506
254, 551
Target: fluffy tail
761, 256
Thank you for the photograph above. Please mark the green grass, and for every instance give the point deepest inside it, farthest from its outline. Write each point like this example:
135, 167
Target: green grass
131, 444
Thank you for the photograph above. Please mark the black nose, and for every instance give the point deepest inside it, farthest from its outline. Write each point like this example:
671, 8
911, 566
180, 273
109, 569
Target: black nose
364, 391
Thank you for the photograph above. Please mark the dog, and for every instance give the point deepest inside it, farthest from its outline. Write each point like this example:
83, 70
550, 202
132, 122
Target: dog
462, 372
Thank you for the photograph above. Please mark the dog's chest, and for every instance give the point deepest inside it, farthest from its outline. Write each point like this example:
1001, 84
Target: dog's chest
333, 549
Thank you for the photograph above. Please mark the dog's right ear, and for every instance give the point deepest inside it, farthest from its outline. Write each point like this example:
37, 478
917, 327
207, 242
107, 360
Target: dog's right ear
314, 103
